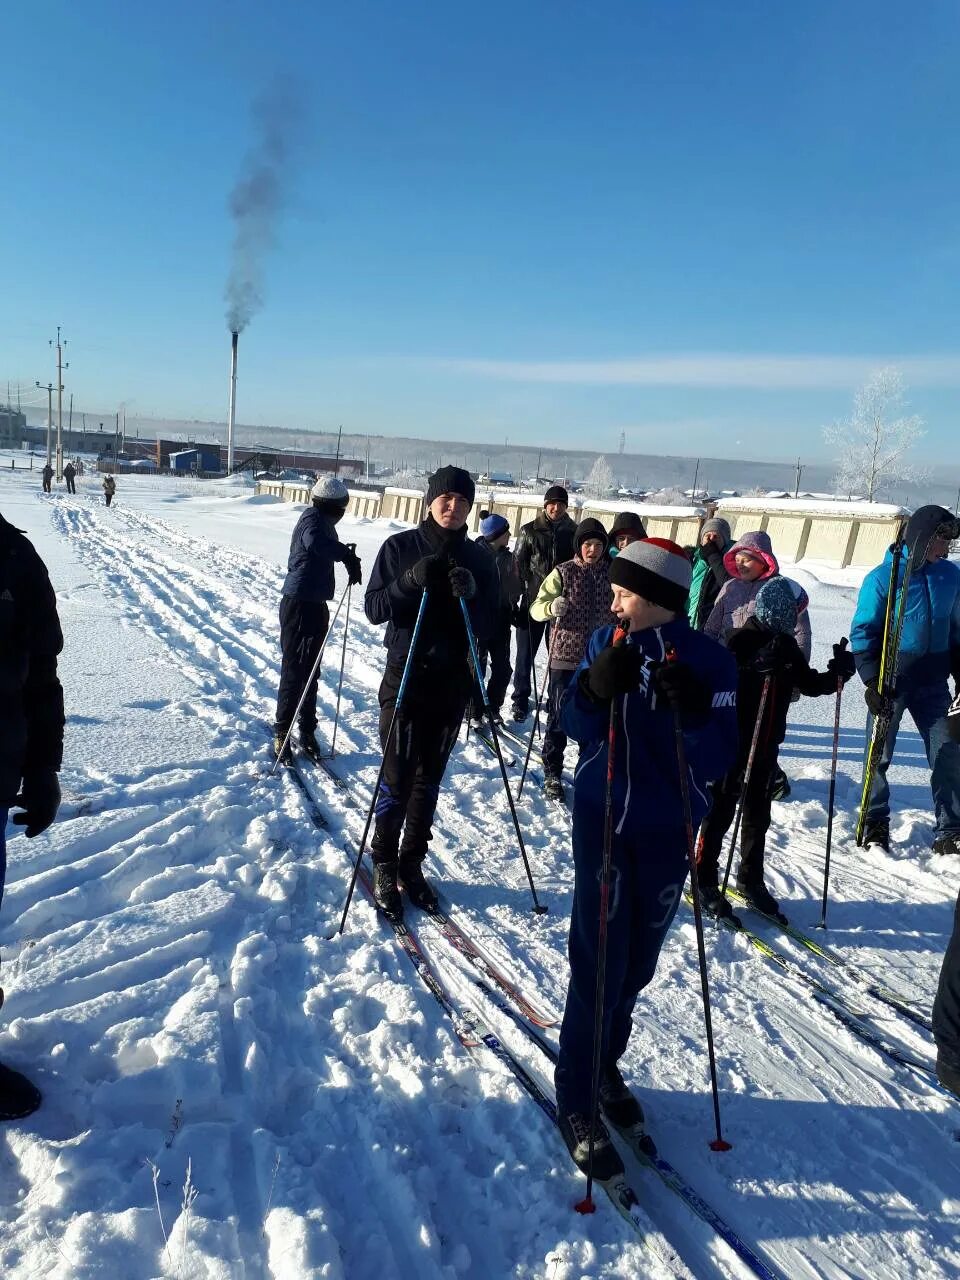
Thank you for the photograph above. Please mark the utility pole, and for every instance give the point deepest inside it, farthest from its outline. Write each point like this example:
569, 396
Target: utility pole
49, 390
796, 491
539, 457
696, 473
623, 441
336, 461
60, 368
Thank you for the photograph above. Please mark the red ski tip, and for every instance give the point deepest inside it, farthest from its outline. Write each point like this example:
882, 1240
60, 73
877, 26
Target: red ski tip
721, 1144
586, 1205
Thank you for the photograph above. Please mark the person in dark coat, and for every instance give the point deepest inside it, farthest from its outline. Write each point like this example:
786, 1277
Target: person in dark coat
437, 558
627, 527
946, 1007
31, 713
929, 653
544, 542
46, 475
495, 538
109, 489
764, 646
304, 614
69, 474
709, 571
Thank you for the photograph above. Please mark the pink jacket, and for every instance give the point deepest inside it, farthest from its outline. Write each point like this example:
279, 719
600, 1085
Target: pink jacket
735, 603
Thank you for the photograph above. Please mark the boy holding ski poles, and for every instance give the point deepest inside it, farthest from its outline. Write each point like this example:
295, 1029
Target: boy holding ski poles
650, 580
771, 666
908, 623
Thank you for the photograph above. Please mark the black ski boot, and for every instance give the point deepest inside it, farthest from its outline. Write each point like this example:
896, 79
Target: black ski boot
418, 890
18, 1097
947, 844
385, 891
779, 785
520, 713
310, 746
575, 1130
948, 1074
621, 1108
715, 904
762, 900
283, 753
877, 835
553, 788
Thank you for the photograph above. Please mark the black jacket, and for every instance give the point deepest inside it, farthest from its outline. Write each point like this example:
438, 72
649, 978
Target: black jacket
541, 546
443, 643
31, 699
745, 643
314, 547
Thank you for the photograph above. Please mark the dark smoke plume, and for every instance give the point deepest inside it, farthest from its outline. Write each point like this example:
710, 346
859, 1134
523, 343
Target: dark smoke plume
258, 198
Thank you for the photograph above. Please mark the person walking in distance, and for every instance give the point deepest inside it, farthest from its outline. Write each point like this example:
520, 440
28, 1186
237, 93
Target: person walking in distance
69, 474
109, 488
544, 542
929, 653
304, 611
31, 712
46, 476
437, 558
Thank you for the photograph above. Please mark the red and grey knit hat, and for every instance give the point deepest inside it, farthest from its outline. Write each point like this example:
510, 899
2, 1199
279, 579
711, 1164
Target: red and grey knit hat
656, 569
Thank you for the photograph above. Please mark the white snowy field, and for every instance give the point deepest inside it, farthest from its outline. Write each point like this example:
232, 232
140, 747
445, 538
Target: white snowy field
171, 987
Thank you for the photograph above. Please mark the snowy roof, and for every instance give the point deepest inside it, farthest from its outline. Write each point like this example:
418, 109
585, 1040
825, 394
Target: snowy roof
406, 493
645, 508
818, 506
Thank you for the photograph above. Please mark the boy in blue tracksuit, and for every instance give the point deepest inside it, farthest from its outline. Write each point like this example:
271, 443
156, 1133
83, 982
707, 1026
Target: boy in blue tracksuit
929, 653
650, 581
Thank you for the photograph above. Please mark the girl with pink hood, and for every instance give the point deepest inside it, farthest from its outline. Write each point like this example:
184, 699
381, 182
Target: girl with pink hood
750, 563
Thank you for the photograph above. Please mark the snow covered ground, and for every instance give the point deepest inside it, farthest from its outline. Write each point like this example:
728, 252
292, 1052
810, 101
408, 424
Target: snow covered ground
172, 987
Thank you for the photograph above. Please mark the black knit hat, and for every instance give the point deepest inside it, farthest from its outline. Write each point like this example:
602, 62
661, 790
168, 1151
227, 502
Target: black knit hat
451, 480
627, 522
656, 569
587, 529
556, 493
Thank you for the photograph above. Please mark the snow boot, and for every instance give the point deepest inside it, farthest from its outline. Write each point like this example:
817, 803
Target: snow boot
553, 788
283, 753
575, 1131
520, 713
877, 835
619, 1105
762, 900
779, 785
947, 844
18, 1097
715, 904
310, 746
418, 890
948, 1073
385, 891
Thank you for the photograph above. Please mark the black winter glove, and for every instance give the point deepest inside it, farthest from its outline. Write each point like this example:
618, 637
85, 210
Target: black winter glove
613, 671
428, 574
841, 666
351, 562
40, 799
680, 686
878, 704
774, 657
462, 583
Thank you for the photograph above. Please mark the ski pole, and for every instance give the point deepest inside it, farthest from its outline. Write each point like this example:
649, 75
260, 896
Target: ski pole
537, 908
343, 658
526, 758
719, 1143
746, 778
586, 1205
313, 672
831, 796
386, 747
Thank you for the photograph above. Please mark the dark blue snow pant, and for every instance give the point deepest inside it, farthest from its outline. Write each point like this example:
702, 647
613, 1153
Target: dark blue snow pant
528, 642
649, 870
498, 651
303, 626
928, 707
946, 1007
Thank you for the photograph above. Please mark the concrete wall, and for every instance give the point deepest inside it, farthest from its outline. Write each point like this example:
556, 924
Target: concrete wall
841, 538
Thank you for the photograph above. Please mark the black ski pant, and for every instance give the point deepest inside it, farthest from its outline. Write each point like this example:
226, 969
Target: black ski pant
946, 1007
71, 485
554, 739
528, 642
753, 828
415, 758
498, 654
108, 498
46, 486
303, 627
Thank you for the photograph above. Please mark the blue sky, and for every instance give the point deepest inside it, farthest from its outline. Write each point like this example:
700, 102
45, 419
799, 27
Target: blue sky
699, 224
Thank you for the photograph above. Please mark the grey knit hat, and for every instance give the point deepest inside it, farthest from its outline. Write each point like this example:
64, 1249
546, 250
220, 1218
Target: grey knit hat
716, 525
656, 569
330, 489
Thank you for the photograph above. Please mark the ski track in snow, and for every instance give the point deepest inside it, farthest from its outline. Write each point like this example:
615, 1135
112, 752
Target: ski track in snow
171, 986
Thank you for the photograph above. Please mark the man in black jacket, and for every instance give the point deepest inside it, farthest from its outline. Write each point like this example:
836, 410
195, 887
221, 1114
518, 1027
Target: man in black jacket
31, 716
544, 542
304, 615
435, 557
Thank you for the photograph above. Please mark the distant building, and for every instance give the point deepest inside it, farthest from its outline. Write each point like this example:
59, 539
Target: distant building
13, 426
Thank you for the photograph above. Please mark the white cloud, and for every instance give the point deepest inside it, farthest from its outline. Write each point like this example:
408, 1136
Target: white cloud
757, 372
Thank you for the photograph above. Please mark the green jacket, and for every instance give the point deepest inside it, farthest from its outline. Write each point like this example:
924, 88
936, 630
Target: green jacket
709, 575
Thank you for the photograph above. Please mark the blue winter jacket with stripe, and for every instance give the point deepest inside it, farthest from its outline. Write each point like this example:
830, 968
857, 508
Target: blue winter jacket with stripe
646, 785
930, 643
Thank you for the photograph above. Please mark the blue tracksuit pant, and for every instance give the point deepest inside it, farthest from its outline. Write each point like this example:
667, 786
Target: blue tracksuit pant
928, 707
649, 871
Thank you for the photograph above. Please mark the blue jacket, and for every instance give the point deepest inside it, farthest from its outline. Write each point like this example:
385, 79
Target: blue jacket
930, 643
313, 549
646, 785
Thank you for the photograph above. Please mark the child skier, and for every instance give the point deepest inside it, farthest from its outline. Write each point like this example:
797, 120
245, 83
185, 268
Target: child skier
626, 528
764, 646
495, 538
575, 599
650, 581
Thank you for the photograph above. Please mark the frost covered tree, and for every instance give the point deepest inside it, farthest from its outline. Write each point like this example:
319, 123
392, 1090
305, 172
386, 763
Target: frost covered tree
600, 480
874, 440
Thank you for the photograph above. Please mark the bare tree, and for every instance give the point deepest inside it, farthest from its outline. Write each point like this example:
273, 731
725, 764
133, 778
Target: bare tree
873, 441
600, 479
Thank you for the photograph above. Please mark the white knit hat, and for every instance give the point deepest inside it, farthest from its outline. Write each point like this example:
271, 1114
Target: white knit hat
330, 489
656, 569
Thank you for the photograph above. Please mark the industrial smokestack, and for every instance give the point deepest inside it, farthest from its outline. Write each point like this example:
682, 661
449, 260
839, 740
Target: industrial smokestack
231, 415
